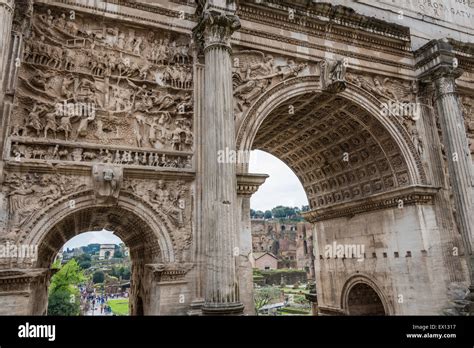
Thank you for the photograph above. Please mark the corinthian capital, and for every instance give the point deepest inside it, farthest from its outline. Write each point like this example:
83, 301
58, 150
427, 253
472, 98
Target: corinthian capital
216, 28
8, 4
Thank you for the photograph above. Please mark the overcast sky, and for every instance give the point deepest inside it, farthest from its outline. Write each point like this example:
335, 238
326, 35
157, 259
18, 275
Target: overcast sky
281, 188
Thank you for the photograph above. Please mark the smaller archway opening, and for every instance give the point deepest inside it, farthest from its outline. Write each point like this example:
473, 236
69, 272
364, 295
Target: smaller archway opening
363, 300
92, 274
136, 234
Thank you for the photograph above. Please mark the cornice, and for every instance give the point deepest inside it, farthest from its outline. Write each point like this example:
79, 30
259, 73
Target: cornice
436, 59
301, 43
410, 195
173, 272
331, 23
248, 184
18, 276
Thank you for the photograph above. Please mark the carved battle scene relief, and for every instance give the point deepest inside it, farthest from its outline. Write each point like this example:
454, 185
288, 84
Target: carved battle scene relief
105, 84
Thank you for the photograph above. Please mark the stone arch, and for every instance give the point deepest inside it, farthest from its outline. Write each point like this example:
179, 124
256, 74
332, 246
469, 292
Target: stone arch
355, 111
145, 231
363, 280
140, 227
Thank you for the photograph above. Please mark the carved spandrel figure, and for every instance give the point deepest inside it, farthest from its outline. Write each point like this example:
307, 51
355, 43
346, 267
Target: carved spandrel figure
338, 71
333, 75
417, 141
168, 202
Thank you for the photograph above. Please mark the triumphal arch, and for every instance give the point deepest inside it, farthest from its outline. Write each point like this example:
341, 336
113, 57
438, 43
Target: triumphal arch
113, 113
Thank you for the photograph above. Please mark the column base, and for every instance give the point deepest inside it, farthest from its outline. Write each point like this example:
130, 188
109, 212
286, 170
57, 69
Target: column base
235, 308
196, 307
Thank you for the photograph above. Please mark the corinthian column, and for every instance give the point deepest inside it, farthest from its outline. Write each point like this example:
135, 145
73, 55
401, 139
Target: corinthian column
441, 69
219, 185
457, 149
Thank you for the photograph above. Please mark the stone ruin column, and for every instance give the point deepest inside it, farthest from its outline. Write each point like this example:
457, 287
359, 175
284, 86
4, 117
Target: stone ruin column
219, 185
6, 18
441, 70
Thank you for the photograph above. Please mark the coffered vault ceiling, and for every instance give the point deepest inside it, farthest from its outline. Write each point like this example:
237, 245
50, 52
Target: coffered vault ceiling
337, 149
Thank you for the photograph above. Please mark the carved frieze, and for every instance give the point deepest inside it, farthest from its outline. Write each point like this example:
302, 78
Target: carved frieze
104, 83
24, 150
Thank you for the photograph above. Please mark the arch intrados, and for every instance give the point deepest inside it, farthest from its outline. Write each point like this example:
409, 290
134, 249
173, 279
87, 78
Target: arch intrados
366, 280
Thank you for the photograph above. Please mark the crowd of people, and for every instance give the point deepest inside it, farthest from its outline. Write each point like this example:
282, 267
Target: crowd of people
94, 303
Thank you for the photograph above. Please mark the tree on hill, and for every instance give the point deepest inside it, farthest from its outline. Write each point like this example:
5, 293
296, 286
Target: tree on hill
98, 277
84, 261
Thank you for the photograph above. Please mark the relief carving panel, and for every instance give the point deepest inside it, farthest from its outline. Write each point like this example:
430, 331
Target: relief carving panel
254, 72
104, 86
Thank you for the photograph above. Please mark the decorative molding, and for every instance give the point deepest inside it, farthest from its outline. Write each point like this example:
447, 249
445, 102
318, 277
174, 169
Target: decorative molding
328, 21
411, 195
248, 184
299, 43
20, 276
171, 272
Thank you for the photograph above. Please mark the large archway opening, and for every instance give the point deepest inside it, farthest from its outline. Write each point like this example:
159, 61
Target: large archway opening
338, 150
343, 150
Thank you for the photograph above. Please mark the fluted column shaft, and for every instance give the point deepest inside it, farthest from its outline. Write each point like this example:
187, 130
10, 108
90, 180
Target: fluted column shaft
6, 18
219, 186
457, 150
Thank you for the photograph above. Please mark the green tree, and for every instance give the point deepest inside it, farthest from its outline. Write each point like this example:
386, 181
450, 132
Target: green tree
63, 291
268, 214
259, 214
279, 212
98, 277
84, 261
